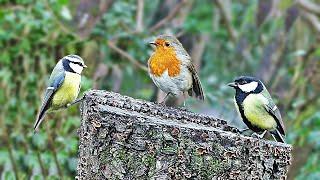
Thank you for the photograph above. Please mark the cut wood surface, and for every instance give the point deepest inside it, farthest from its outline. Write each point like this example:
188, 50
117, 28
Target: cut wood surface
125, 138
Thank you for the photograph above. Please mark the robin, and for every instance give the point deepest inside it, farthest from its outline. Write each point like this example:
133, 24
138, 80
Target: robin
171, 69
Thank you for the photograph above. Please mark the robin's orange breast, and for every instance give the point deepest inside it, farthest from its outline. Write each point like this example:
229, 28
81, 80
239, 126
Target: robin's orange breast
162, 60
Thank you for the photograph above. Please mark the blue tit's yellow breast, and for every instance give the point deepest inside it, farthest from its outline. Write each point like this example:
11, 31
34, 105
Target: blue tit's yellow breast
68, 91
255, 112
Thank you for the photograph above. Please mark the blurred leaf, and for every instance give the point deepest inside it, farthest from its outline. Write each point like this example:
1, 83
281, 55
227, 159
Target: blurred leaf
8, 175
65, 13
284, 4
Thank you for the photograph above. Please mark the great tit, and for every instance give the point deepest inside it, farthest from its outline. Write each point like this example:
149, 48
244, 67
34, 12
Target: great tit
63, 87
255, 106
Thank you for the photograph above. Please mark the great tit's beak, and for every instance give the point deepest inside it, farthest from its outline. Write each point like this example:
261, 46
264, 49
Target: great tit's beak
85, 66
233, 84
153, 43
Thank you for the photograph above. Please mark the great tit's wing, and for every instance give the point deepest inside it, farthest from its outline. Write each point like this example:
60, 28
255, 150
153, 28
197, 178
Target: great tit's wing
274, 111
196, 84
55, 82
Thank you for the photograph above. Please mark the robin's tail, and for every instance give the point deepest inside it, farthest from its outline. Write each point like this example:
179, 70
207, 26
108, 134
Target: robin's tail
278, 136
196, 90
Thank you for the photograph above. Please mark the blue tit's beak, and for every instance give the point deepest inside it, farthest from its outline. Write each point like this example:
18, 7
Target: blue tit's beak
85, 66
233, 84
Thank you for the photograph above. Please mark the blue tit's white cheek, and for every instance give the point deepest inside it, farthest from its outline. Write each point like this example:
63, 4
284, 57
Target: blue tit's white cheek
249, 87
76, 68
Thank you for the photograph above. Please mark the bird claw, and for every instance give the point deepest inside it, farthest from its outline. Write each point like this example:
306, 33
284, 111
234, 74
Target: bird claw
76, 101
259, 136
255, 135
243, 130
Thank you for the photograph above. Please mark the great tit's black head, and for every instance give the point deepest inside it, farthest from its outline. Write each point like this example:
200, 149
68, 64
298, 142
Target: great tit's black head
247, 84
73, 63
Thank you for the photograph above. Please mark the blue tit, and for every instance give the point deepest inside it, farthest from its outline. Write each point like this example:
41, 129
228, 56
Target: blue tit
63, 87
256, 107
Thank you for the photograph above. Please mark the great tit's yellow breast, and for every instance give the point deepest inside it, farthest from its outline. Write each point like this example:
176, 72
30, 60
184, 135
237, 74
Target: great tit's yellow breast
68, 91
255, 112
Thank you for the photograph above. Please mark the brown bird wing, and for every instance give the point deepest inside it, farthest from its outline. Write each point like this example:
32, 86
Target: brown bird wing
196, 90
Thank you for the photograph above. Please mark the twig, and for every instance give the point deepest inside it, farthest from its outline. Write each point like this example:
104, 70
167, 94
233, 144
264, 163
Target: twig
227, 19
127, 56
171, 15
43, 170
57, 21
309, 6
4, 136
139, 17
53, 150
180, 33
198, 50
13, 7
10, 150
312, 20
88, 18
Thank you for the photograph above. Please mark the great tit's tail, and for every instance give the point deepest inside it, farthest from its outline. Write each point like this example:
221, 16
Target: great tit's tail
278, 136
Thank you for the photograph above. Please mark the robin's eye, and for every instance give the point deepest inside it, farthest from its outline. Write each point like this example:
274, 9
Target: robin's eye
167, 44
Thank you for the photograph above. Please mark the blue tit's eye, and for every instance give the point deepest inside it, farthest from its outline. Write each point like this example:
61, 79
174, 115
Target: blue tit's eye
79, 63
167, 44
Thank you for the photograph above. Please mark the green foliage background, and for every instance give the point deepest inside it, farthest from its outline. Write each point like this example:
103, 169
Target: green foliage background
239, 37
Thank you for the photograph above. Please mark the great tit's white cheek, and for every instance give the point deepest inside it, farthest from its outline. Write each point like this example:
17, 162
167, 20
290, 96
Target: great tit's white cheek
76, 67
248, 87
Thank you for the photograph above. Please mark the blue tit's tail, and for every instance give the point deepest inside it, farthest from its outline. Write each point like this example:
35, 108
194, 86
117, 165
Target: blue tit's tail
278, 136
40, 118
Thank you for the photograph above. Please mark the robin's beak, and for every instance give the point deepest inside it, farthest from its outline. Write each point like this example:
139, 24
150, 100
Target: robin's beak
233, 84
153, 43
85, 66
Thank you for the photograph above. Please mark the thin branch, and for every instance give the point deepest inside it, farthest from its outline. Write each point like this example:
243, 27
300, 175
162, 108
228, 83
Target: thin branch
53, 150
123, 53
198, 50
227, 20
43, 170
11, 156
309, 6
139, 17
57, 21
13, 7
312, 20
171, 15
4, 136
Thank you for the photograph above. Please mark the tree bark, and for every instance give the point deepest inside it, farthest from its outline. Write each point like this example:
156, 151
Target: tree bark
125, 138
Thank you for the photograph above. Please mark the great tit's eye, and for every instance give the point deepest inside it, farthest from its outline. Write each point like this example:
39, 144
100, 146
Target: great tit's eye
167, 44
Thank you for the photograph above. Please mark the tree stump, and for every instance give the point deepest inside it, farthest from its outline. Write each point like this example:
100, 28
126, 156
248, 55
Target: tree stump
126, 138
